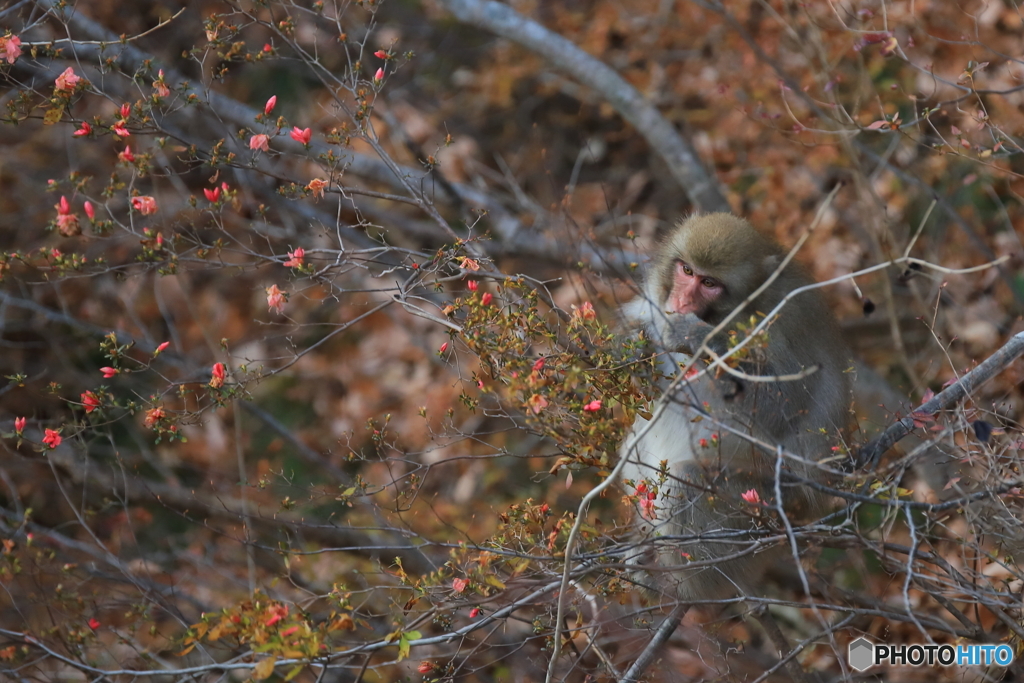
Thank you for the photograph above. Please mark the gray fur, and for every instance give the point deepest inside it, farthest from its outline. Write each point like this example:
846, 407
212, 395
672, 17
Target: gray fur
701, 496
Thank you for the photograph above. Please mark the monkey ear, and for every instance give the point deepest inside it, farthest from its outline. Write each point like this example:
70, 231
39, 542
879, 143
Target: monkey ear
771, 263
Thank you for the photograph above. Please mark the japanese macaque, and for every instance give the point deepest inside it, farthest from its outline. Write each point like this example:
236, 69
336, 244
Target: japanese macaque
703, 488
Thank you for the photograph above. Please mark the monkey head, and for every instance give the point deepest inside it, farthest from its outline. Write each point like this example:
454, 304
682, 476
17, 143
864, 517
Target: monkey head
710, 264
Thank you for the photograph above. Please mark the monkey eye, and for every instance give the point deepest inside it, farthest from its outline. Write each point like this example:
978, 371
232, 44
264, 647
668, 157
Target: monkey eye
709, 283
686, 268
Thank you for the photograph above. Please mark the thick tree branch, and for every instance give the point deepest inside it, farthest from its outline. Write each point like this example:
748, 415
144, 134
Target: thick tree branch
868, 455
682, 159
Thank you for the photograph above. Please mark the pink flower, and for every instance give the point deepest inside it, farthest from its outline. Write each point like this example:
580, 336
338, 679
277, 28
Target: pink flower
444, 347
109, 372
459, 585
83, 131
161, 86
217, 380
301, 135
648, 509
275, 298
52, 438
379, 76
67, 224
89, 210
585, 311
295, 258
259, 142
538, 364
269, 106
474, 613
380, 54
162, 347
486, 299
67, 80
144, 205
94, 623
317, 187
425, 667
537, 403
126, 110
473, 285
126, 156
63, 207
11, 47
267, 48
154, 415
212, 195
751, 496
593, 406
19, 424
90, 401
120, 130
277, 613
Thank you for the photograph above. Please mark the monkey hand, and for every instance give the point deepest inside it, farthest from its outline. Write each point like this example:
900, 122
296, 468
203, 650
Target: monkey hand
687, 333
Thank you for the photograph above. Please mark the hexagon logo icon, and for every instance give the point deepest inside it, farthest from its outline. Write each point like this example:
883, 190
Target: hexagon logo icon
862, 654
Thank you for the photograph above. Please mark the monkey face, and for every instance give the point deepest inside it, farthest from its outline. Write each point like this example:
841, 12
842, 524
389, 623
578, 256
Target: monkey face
692, 291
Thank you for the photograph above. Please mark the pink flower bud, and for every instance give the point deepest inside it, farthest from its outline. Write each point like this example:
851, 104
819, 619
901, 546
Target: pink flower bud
271, 103
19, 424
89, 210
379, 76
218, 375
109, 372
